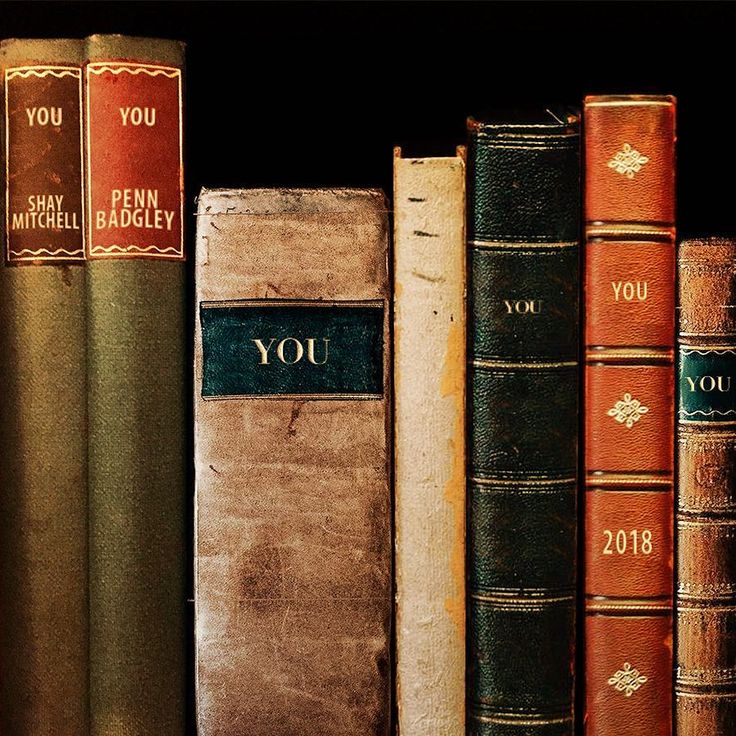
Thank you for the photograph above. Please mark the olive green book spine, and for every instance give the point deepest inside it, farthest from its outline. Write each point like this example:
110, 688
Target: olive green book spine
43, 512
136, 377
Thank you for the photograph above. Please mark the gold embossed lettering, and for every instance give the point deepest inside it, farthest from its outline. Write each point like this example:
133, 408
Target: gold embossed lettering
523, 306
709, 383
43, 116
138, 116
630, 290
298, 350
621, 542
311, 351
263, 349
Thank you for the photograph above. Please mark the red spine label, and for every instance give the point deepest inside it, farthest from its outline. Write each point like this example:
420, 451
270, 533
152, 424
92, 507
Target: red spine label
135, 195
43, 164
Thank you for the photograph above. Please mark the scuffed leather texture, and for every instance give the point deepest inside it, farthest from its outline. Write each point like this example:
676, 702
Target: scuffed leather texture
622, 563
644, 642
629, 283
43, 468
501, 278
530, 185
137, 460
705, 686
293, 506
613, 446
523, 236
647, 125
629, 398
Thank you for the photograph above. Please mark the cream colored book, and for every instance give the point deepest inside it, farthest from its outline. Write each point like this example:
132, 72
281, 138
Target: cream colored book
429, 344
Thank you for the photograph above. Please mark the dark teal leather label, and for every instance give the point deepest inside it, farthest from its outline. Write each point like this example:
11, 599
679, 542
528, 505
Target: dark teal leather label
292, 349
708, 385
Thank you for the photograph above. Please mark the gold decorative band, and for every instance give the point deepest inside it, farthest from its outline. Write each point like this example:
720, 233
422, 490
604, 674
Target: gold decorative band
602, 354
524, 246
526, 719
629, 103
477, 363
628, 230
523, 481
522, 600
628, 479
631, 605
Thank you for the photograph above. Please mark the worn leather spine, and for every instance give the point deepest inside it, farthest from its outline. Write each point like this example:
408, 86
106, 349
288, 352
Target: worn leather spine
629, 413
429, 388
43, 490
293, 593
705, 686
524, 249
136, 376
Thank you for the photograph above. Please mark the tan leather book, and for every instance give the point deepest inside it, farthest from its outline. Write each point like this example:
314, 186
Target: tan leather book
292, 452
429, 375
705, 627
43, 433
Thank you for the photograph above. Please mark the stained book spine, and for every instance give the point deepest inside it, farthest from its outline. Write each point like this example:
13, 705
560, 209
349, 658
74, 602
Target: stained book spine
43, 525
705, 687
429, 363
136, 354
629, 413
524, 248
292, 453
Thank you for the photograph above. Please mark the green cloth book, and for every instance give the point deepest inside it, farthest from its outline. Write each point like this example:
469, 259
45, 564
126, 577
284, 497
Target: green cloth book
43, 460
136, 383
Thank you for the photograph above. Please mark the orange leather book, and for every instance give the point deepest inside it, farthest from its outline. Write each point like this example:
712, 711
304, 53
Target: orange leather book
629, 413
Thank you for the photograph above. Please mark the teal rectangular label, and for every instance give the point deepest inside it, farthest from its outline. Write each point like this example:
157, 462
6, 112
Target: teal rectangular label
708, 385
292, 349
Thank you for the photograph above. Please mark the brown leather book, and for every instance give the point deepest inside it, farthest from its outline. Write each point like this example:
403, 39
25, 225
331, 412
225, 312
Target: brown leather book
292, 452
629, 415
705, 688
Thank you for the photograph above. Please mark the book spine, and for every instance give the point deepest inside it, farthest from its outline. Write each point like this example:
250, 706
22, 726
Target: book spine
429, 470
705, 687
629, 413
43, 525
524, 249
292, 455
136, 375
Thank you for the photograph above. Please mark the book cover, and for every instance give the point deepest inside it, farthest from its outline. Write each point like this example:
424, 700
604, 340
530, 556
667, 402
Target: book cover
429, 443
523, 238
136, 345
629, 413
43, 433
292, 398
705, 625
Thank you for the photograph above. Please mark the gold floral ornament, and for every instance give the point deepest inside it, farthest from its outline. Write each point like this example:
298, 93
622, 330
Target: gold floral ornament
627, 681
628, 411
628, 161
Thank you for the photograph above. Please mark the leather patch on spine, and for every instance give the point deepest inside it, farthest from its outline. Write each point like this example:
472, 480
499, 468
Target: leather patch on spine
708, 385
297, 349
43, 164
134, 161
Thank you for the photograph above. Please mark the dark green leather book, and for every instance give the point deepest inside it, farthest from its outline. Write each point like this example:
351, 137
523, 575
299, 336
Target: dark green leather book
136, 370
523, 235
43, 460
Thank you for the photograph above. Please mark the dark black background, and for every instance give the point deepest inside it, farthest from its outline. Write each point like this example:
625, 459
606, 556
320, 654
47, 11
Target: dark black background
318, 93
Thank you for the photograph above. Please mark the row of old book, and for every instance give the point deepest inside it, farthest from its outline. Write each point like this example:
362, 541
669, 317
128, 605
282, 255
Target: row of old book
386, 430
